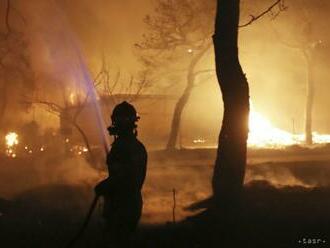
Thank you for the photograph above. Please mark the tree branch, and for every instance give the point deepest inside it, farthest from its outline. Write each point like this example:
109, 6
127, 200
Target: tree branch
141, 86
53, 106
253, 18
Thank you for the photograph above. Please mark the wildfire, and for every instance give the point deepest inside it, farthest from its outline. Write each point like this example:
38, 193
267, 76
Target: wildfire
11, 142
11, 139
263, 134
78, 149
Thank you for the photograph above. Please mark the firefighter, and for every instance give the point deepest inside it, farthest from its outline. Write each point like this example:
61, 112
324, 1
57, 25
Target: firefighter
126, 161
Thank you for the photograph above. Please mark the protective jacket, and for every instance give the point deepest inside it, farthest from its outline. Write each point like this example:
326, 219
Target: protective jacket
127, 162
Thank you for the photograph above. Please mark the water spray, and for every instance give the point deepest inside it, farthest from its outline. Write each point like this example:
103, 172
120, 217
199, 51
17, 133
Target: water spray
102, 135
88, 84
91, 91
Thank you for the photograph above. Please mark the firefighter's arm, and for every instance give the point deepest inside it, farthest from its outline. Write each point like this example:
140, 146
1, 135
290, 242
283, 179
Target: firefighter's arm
113, 182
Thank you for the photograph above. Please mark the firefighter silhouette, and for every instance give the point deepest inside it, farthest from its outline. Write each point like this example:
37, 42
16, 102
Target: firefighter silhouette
127, 162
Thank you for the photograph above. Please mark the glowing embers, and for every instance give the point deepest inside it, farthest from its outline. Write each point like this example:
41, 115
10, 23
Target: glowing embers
78, 150
11, 144
199, 141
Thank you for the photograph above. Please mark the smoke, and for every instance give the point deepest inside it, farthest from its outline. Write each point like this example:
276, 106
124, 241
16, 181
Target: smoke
277, 76
191, 179
61, 184
276, 176
20, 175
191, 184
277, 73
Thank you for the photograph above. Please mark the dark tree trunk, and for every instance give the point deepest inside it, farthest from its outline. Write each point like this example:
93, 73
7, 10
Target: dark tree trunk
181, 103
309, 100
176, 120
228, 175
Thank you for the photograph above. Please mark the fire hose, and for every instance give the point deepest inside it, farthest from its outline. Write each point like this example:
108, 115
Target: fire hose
87, 218
85, 223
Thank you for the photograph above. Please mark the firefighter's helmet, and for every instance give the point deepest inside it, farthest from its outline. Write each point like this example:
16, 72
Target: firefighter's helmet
123, 117
124, 112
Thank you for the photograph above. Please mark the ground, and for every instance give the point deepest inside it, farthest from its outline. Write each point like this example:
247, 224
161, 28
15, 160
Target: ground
285, 203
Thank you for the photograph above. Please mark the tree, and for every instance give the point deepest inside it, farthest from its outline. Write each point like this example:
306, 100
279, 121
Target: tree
179, 33
68, 111
16, 75
230, 163
307, 44
229, 170
117, 90
75, 97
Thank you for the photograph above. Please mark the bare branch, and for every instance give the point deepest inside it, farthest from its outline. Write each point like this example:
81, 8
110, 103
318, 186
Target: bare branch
129, 89
141, 86
53, 106
253, 18
115, 83
81, 106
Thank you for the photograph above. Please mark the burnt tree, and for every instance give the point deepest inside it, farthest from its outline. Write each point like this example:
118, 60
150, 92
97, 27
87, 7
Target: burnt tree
230, 163
229, 170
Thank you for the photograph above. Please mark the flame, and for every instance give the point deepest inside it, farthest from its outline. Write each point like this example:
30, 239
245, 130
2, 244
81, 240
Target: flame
262, 134
11, 139
78, 149
11, 142
199, 140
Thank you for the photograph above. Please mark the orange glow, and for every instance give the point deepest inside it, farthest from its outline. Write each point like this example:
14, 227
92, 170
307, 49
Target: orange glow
72, 98
11, 139
11, 142
262, 134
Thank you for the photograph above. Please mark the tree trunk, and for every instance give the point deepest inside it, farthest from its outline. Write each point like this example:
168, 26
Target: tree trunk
181, 103
309, 100
229, 170
179, 106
